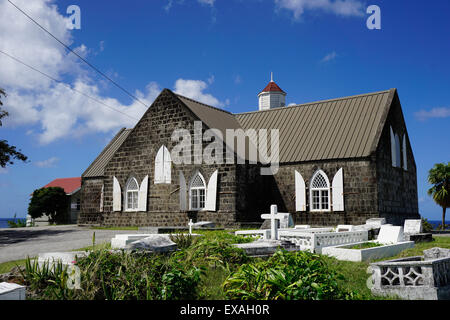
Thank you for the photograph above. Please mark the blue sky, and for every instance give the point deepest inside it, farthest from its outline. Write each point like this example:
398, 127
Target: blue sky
220, 52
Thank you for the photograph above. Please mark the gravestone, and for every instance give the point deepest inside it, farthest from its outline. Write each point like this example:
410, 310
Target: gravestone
204, 224
302, 226
273, 216
344, 228
413, 226
286, 221
66, 258
390, 234
376, 222
11, 291
154, 243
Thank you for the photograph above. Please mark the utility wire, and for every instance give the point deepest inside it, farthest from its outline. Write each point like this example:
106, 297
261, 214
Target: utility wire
80, 57
65, 84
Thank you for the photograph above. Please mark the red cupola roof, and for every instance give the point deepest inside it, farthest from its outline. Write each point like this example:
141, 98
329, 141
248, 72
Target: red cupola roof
272, 87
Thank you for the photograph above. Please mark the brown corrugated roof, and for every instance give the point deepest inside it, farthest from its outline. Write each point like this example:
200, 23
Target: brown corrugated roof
330, 129
97, 168
213, 117
342, 128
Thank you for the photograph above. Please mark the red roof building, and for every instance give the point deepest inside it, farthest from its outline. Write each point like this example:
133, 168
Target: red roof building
70, 185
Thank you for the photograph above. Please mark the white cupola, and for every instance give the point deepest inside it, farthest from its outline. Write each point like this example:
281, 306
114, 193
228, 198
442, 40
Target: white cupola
272, 96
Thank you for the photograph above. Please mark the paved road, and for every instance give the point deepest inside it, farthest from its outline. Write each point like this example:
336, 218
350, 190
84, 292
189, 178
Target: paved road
16, 244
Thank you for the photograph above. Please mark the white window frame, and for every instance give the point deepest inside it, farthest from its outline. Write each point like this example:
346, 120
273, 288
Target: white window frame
197, 190
321, 191
132, 191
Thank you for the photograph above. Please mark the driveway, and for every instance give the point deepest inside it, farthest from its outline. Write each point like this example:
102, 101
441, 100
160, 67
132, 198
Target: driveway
18, 243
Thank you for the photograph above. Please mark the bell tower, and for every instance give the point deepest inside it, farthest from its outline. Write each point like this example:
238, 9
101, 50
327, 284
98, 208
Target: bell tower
272, 96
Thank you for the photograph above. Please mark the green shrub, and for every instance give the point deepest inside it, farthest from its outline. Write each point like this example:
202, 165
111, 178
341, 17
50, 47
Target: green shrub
107, 275
47, 281
212, 252
285, 276
426, 226
182, 240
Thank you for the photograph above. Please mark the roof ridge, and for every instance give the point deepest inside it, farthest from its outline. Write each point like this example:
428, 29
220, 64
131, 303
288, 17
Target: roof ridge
203, 104
118, 134
317, 102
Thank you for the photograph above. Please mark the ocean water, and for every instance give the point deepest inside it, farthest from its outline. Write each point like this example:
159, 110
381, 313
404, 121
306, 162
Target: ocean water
4, 222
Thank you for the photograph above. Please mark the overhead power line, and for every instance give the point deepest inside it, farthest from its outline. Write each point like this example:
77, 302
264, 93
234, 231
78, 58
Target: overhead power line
66, 85
80, 57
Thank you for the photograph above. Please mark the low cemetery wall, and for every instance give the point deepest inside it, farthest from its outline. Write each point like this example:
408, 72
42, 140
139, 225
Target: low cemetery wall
414, 278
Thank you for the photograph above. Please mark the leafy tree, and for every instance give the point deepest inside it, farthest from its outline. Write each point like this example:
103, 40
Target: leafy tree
439, 177
51, 201
8, 152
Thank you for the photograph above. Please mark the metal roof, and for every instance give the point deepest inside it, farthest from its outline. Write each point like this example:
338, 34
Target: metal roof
97, 168
331, 129
342, 128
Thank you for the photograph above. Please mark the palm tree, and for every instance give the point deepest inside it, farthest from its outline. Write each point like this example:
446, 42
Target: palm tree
439, 177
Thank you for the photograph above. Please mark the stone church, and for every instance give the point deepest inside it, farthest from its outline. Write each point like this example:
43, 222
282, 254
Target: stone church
341, 161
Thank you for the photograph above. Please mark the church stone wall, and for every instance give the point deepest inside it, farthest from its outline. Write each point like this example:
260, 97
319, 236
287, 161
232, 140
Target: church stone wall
90, 201
136, 158
360, 192
397, 187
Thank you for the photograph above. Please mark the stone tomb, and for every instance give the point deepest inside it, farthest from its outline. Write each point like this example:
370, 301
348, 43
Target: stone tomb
413, 231
66, 258
153, 243
424, 277
120, 241
390, 238
11, 291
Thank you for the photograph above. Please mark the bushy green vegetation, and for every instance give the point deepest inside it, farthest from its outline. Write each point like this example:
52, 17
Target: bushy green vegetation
286, 276
208, 267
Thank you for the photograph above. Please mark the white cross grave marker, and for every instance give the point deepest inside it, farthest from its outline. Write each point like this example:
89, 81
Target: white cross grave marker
273, 216
190, 224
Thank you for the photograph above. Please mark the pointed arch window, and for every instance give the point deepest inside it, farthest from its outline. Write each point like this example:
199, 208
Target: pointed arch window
132, 195
320, 192
197, 192
163, 166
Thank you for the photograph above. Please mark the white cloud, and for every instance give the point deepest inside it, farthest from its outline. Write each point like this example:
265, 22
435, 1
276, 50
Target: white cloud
207, 2
329, 57
194, 89
55, 111
49, 163
424, 115
337, 7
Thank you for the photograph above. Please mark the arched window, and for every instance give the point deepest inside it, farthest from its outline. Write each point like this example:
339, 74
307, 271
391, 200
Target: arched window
163, 166
131, 195
320, 192
197, 192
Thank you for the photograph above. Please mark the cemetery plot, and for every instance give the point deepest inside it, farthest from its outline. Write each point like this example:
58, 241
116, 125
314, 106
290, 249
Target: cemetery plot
424, 277
389, 243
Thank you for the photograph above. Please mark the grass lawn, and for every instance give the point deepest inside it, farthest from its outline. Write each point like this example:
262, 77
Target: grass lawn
5, 267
